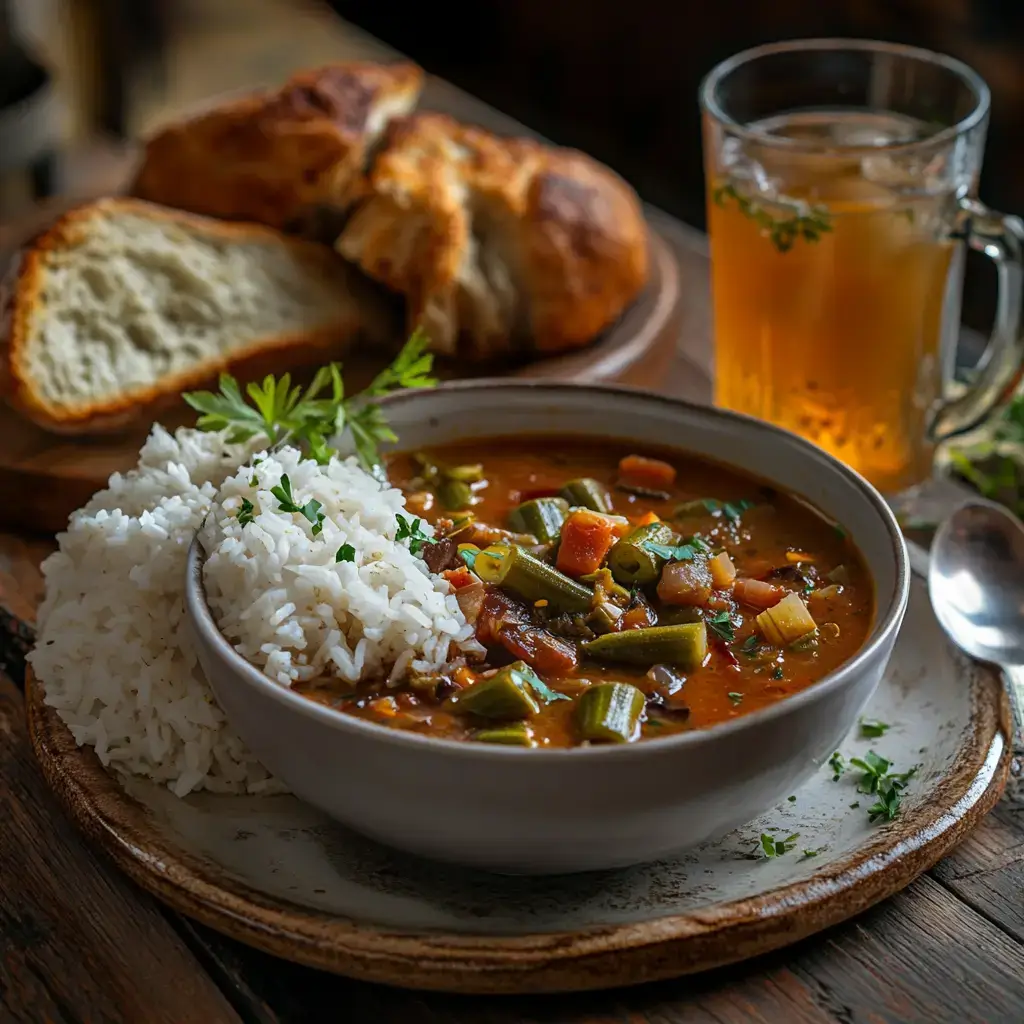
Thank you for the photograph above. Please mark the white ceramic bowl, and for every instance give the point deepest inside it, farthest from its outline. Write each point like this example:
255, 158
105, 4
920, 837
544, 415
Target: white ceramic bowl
544, 811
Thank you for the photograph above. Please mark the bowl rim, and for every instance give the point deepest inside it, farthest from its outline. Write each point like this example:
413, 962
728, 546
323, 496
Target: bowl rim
887, 624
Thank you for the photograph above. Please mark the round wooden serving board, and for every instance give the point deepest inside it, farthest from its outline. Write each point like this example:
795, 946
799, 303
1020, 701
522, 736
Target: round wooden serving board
278, 875
46, 477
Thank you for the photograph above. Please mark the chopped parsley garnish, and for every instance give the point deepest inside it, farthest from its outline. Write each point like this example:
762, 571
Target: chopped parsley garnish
808, 854
539, 687
792, 799
733, 510
282, 413
837, 764
346, 553
887, 787
311, 510
777, 672
794, 221
872, 728
721, 625
735, 698
682, 553
244, 514
874, 768
469, 557
855, 805
751, 645
412, 533
773, 847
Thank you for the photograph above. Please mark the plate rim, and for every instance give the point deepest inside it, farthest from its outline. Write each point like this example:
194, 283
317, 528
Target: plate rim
581, 960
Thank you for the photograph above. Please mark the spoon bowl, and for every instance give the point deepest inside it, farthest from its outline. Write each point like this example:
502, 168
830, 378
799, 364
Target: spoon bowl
976, 584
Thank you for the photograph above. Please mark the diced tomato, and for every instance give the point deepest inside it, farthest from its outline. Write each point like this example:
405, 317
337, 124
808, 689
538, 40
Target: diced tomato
640, 616
543, 651
758, 593
644, 472
586, 539
459, 577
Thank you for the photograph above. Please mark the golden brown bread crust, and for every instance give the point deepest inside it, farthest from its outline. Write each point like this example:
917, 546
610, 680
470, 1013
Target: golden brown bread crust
273, 156
22, 293
498, 240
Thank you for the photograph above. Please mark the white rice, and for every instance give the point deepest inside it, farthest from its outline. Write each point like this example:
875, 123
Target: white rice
113, 653
279, 594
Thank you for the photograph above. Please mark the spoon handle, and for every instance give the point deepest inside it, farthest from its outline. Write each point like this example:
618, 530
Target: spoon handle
1014, 675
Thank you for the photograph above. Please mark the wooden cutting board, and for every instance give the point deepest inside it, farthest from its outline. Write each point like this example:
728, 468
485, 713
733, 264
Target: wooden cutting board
44, 478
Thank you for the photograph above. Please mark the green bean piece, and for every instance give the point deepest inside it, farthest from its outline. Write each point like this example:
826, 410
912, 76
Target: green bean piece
587, 493
524, 574
631, 562
505, 696
454, 494
518, 734
610, 713
469, 474
543, 517
683, 646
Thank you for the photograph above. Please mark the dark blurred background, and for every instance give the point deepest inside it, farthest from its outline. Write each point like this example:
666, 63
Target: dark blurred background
617, 78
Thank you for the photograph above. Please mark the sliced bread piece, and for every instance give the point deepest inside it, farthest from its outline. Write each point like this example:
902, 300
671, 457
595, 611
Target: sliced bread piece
122, 304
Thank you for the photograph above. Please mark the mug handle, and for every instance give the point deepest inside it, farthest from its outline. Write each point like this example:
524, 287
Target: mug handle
1001, 239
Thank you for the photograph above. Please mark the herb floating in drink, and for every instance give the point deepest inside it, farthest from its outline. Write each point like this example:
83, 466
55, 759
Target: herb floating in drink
803, 221
307, 418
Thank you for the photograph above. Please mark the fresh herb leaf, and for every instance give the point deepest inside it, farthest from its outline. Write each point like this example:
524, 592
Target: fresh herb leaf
872, 728
855, 805
837, 764
244, 514
808, 854
283, 413
682, 553
469, 557
539, 687
791, 799
346, 553
412, 533
286, 500
735, 698
733, 510
777, 672
795, 220
751, 645
721, 625
889, 796
773, 847
874, 768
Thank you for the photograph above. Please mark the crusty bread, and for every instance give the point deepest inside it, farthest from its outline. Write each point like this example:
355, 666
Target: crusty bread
276, 157
497, 243
122, 304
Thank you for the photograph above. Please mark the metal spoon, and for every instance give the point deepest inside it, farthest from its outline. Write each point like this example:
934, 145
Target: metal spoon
976, 583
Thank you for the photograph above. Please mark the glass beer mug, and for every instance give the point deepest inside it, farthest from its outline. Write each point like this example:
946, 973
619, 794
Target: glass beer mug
841, 184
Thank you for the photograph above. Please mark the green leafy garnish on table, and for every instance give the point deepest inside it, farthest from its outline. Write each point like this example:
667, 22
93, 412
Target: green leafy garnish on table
838, 766
773, 847
286, 413
872, 728
793, 221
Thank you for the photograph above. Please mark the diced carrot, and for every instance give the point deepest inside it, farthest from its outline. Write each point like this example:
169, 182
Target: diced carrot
646, 519
587, 538
459, 577
757, 593
723, 572
644, 472
640, 616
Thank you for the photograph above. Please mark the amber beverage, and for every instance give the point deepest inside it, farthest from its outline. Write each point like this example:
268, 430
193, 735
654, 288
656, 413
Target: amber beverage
837, 238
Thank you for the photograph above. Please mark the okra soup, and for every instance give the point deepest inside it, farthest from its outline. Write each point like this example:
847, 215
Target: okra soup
619, 593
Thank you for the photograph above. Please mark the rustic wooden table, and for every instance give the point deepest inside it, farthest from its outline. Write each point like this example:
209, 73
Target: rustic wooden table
79, 943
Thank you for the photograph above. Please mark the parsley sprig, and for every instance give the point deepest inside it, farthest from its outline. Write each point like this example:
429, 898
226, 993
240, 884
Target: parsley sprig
772, 847
412, 532
311, 510
283, 412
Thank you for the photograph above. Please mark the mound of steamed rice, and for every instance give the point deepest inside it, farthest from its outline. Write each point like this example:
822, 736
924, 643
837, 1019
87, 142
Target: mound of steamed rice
279, 592
113, 652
